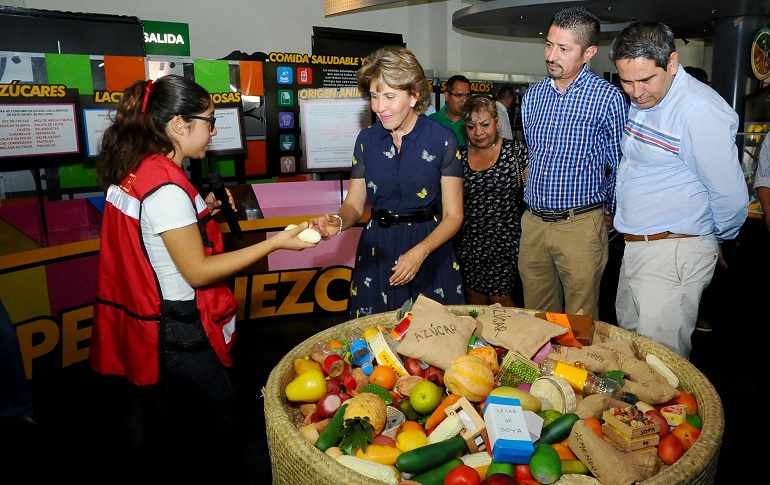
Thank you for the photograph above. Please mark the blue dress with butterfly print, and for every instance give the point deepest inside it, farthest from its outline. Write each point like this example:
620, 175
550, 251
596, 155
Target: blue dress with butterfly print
403, 182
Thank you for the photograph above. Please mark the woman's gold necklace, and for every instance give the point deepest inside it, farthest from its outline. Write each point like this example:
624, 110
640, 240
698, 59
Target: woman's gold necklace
492, 159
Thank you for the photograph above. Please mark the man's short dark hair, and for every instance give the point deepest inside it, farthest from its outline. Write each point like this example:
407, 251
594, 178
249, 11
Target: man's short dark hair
648, 40
505, 92
698, 73
450, 84
581, 22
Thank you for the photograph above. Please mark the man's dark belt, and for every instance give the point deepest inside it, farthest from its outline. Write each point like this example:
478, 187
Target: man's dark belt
554, 216
387, 218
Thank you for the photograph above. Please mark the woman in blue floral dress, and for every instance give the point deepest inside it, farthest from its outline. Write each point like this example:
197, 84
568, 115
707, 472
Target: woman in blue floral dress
409, 169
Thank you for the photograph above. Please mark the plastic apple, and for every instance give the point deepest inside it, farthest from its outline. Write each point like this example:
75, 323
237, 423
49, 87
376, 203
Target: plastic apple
385, 440
413, 367
435, 375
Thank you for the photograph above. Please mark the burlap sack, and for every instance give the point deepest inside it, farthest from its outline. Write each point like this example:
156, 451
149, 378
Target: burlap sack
620, 348
608, 463
593, 406
504, 327
436, 336
640, 371
594, 358
651, 392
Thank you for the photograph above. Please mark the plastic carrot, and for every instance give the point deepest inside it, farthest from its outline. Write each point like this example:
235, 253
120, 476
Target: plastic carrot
438, 415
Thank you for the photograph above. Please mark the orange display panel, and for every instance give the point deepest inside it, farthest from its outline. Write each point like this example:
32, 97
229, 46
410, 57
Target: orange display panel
251, 78
121, 71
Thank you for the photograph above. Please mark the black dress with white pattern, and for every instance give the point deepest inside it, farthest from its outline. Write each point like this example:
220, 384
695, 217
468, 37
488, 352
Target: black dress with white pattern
488, 244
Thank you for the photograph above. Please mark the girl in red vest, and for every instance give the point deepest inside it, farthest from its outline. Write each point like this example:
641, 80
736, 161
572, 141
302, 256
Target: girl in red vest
164, 318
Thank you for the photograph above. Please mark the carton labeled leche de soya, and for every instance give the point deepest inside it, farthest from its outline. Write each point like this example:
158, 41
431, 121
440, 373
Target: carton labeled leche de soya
509, 436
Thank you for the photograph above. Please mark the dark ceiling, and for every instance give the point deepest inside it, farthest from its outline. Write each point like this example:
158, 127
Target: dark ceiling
690, 19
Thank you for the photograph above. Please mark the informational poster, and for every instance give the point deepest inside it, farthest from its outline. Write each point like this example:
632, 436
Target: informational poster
291, 79
96, 120
329, 130
229, 131
37, 129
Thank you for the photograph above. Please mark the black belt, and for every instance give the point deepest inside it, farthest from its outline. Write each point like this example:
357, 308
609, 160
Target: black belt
184, 313
387, 218
552, 216
181, 311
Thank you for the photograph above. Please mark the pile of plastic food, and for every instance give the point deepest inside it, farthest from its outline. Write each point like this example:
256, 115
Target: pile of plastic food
493, 416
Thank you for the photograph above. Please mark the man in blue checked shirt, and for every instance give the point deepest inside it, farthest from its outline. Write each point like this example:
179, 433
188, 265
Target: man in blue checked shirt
680, 188
573, 122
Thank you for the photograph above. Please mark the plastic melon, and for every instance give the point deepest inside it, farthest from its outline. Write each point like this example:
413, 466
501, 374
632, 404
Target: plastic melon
469, 377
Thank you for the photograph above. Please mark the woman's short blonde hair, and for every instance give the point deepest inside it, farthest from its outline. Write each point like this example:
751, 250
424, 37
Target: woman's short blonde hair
398, 68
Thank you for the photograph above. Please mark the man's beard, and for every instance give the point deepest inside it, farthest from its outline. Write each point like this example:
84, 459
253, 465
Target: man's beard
554, 74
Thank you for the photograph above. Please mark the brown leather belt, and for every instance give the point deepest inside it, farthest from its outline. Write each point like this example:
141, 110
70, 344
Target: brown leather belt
655, 237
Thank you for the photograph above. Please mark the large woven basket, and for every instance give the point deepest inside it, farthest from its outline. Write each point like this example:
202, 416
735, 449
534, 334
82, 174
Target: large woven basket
295, 461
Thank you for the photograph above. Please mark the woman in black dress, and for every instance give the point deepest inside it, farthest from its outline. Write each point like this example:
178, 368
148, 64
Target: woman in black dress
488, 244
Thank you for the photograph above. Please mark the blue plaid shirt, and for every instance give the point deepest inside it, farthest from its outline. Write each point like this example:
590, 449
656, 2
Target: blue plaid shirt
574, 142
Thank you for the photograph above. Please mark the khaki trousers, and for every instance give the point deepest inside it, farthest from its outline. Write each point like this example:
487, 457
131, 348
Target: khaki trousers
562, 263
660, 288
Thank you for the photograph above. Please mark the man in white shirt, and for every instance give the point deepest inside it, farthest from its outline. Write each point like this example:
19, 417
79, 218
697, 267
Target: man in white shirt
680, 188
504, 101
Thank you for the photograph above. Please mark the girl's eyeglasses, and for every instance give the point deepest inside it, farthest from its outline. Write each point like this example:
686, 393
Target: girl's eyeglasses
211, 120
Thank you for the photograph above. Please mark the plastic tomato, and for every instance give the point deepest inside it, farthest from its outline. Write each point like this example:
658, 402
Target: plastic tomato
521, 472
462, 475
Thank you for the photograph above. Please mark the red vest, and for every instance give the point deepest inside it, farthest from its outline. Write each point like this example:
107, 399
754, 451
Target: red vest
124, 338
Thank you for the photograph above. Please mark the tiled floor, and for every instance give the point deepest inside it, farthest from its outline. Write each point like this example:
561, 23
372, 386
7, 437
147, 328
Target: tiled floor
75, 443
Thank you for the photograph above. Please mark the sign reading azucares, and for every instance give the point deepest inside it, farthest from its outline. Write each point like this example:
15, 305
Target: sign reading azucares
166, 38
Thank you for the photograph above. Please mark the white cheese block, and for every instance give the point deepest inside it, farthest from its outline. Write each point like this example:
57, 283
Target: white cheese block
308, 235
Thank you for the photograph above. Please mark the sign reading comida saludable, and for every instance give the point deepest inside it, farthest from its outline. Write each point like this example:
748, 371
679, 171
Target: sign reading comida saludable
166, 38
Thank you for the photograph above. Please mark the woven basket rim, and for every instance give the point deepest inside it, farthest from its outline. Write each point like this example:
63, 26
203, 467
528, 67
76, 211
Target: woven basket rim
295, 460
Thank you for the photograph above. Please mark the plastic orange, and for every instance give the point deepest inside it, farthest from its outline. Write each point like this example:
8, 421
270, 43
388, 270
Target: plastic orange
595, 425
688, 400
335, 344
384, 376
687, 434
407, 425
565, 453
